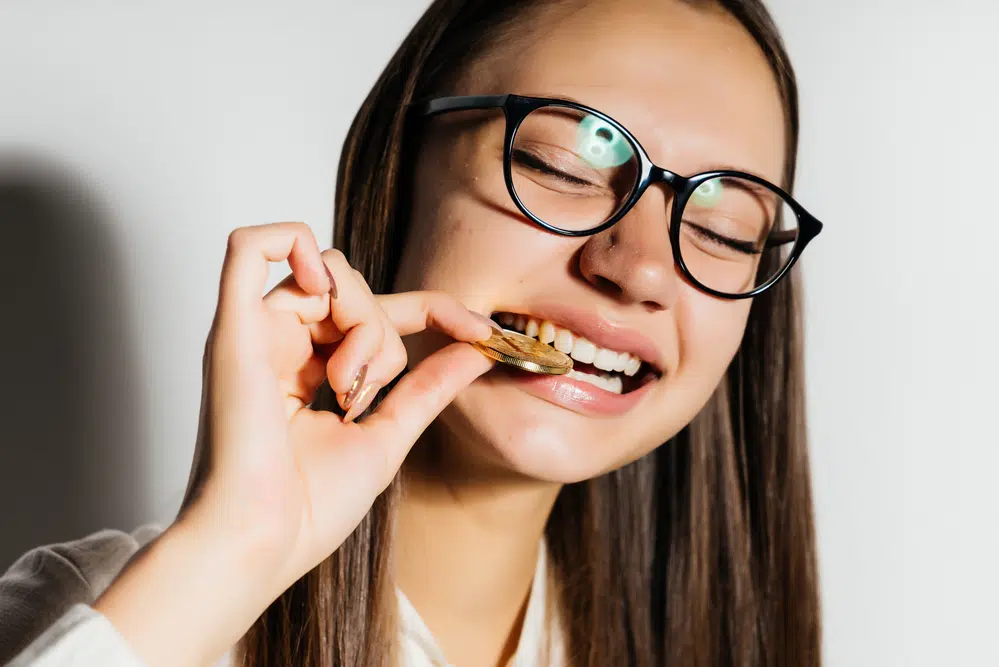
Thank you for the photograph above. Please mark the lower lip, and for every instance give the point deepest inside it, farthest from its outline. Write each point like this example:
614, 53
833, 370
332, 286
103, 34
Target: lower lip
575, 395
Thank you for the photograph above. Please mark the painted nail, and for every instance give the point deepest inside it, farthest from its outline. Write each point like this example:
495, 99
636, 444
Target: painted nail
332, 282
361, 403
487, 320
355, 388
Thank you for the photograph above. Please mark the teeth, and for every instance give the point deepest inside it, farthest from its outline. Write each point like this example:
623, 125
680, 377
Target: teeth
584, 351
605, 359
563, 341
621, 362
611, 383
546, 333
578, 348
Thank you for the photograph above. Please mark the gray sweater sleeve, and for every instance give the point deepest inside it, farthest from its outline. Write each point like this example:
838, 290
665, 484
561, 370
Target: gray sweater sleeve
45, 598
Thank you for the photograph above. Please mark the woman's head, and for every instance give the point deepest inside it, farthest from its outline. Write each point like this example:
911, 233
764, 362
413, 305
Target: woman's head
697, 91
706, 541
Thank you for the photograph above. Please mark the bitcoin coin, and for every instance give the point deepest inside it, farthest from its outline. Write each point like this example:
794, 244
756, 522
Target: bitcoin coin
525, 353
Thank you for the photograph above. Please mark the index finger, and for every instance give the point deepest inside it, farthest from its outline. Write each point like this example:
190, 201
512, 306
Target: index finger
251, 250
412, 312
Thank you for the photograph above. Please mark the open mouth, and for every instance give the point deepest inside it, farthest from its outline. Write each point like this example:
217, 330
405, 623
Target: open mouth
610, 370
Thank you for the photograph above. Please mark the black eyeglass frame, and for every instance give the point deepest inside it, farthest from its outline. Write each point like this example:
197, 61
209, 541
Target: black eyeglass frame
517, 107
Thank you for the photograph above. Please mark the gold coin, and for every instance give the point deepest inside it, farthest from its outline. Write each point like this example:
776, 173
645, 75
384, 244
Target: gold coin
525, 353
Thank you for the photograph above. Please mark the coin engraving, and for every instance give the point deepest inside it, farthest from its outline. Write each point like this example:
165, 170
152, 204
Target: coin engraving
524, 352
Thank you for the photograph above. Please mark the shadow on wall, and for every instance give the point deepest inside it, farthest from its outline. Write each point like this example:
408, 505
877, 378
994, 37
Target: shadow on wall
69, 387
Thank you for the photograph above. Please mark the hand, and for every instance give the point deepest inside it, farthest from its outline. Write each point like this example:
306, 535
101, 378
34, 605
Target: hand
289, 482
285, 485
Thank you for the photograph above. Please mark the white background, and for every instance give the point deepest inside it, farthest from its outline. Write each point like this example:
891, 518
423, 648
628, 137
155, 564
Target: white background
133, 139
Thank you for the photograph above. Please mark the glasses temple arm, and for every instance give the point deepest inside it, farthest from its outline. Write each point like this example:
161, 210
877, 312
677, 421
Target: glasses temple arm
441, 105
780, 238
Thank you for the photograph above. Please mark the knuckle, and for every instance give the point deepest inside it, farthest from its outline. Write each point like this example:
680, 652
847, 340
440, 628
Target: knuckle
427, 385
381, 334
433, 298
399, 358
238, 238
361, 280
440, 295
442, 298
301, 228
335, 258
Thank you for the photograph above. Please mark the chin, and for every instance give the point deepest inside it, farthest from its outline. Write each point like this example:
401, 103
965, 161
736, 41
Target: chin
524, 434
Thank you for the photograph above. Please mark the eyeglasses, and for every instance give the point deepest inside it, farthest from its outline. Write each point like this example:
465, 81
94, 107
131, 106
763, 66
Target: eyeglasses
576, 171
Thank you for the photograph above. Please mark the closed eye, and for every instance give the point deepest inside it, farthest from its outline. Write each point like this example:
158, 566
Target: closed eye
534, 162
744, 247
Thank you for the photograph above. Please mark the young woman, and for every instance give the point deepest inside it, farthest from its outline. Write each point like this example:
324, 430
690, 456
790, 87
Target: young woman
607, 176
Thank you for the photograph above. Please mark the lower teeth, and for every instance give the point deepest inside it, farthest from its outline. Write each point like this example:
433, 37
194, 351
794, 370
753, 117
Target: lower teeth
611, 383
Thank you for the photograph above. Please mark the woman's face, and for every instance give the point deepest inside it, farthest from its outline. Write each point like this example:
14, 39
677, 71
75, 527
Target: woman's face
696, 91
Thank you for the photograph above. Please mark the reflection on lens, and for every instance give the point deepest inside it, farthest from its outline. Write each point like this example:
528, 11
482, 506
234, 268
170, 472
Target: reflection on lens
571, 169
601, 145
736, 234
708, 193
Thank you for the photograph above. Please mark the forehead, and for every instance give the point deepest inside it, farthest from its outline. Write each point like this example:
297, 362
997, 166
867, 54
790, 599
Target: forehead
690, 83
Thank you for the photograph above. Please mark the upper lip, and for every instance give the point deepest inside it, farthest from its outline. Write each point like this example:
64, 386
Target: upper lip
598, 330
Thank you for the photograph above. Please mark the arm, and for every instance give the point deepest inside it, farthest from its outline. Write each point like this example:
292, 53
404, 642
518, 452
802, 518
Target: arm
284, 485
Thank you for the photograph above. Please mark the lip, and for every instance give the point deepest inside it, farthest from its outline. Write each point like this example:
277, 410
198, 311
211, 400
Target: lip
599, 331
575, 395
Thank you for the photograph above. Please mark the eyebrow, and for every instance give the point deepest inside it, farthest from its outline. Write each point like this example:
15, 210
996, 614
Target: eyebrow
729, 167
713, 166
556, 96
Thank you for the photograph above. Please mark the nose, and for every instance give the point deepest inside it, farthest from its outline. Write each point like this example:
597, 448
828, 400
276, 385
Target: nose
633, 260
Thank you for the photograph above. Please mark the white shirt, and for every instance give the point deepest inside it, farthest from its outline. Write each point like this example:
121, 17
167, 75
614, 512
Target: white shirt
538, 639
81, 636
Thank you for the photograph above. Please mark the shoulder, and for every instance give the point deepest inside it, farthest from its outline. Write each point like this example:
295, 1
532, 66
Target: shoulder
47, 581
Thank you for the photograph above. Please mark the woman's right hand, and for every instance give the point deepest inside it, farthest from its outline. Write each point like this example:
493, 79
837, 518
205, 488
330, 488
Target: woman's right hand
285, 485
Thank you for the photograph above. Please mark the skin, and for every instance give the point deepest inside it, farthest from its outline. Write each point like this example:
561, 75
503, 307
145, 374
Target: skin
696, 91
283, 485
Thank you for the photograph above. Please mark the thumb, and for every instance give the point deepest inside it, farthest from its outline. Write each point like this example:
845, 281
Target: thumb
420, 396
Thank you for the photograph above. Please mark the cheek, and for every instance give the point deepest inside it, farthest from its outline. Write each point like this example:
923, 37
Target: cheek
709, 334
457, 224
468, 239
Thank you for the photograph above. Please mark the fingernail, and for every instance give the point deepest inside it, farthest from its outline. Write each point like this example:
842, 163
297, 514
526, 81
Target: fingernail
487, 320
355, 388
332, 282
361, 403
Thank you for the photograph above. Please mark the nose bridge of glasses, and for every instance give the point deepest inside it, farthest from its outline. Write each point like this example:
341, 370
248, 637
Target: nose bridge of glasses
672, 184
659, 175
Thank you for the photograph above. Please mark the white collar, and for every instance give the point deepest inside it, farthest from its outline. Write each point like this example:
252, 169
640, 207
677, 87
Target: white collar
420, 649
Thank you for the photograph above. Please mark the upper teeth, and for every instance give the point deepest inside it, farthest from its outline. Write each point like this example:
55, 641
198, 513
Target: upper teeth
572, 344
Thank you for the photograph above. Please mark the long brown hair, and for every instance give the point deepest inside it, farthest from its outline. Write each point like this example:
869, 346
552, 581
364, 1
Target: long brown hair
701, 553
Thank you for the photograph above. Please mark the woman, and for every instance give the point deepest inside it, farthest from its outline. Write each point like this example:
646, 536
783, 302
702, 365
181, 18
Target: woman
596, 175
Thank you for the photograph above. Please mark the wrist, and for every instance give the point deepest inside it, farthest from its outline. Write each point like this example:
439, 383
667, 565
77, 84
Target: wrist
185, 600
250, 556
